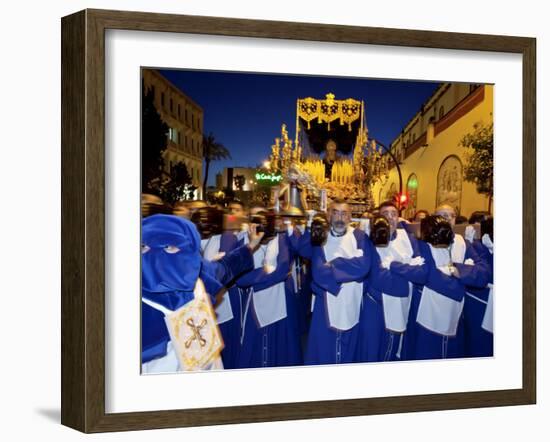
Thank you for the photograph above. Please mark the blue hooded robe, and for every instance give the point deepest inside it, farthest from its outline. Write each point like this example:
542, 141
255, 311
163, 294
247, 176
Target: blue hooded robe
230, 329
170, 266
270, 327
378, 342
478, 340
428, 344
327, 343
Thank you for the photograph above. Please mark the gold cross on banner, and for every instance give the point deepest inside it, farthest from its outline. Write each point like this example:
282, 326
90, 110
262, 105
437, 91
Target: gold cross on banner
196, 333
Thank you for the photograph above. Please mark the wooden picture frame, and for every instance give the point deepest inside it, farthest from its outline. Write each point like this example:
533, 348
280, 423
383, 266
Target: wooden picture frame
83, 219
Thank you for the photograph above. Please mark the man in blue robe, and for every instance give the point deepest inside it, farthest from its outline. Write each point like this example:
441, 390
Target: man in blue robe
215, 244
172, 272
478, 303
453, 264
340, 261
397, 273
301, 273
270, 335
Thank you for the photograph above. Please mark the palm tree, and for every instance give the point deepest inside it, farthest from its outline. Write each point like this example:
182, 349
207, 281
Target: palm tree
212, 151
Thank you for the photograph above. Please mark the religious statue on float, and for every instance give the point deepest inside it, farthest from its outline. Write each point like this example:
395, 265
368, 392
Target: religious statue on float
330, 158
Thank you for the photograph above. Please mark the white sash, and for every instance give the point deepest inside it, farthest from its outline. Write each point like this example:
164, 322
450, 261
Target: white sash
344, 309
193, 357
400, 249
396, 309
224, 312
211, 252
269, 304
210, 247
437, 312
486, 241
458, 249
487, 323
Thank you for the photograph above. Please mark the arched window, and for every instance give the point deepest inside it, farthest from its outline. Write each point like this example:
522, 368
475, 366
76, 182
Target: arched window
449, 183
412, 192
391, 193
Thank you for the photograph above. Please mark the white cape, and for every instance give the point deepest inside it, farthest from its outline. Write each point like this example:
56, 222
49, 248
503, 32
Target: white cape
344, 309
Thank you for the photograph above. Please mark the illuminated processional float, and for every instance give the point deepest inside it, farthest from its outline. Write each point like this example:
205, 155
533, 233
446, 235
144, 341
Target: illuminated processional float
332, 157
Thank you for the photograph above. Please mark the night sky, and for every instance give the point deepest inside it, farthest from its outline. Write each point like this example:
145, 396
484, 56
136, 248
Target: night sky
245, 111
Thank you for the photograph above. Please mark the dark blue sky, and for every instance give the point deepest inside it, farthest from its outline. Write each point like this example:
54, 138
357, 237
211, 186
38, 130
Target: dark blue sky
245, 111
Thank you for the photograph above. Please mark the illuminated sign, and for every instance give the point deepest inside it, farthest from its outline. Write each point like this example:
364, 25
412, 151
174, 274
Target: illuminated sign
271, 177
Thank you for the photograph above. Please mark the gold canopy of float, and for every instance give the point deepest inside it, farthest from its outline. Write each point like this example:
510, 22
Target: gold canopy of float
309, 179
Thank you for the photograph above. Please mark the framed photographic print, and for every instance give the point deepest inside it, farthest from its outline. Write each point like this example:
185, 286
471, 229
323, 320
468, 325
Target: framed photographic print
267, 221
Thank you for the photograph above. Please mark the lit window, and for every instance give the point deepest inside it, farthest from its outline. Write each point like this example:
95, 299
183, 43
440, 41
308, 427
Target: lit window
173, 135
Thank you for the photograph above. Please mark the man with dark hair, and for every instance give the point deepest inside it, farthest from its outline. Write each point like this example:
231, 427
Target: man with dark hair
461, 219
420, 215
397, 221
237, 208
453, 264
397, 272
478, 216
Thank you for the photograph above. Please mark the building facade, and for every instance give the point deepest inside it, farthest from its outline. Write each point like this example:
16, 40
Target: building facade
431, 157
230, 180
185, 120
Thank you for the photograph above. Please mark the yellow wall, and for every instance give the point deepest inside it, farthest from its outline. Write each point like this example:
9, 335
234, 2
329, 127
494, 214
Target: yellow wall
426, 161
